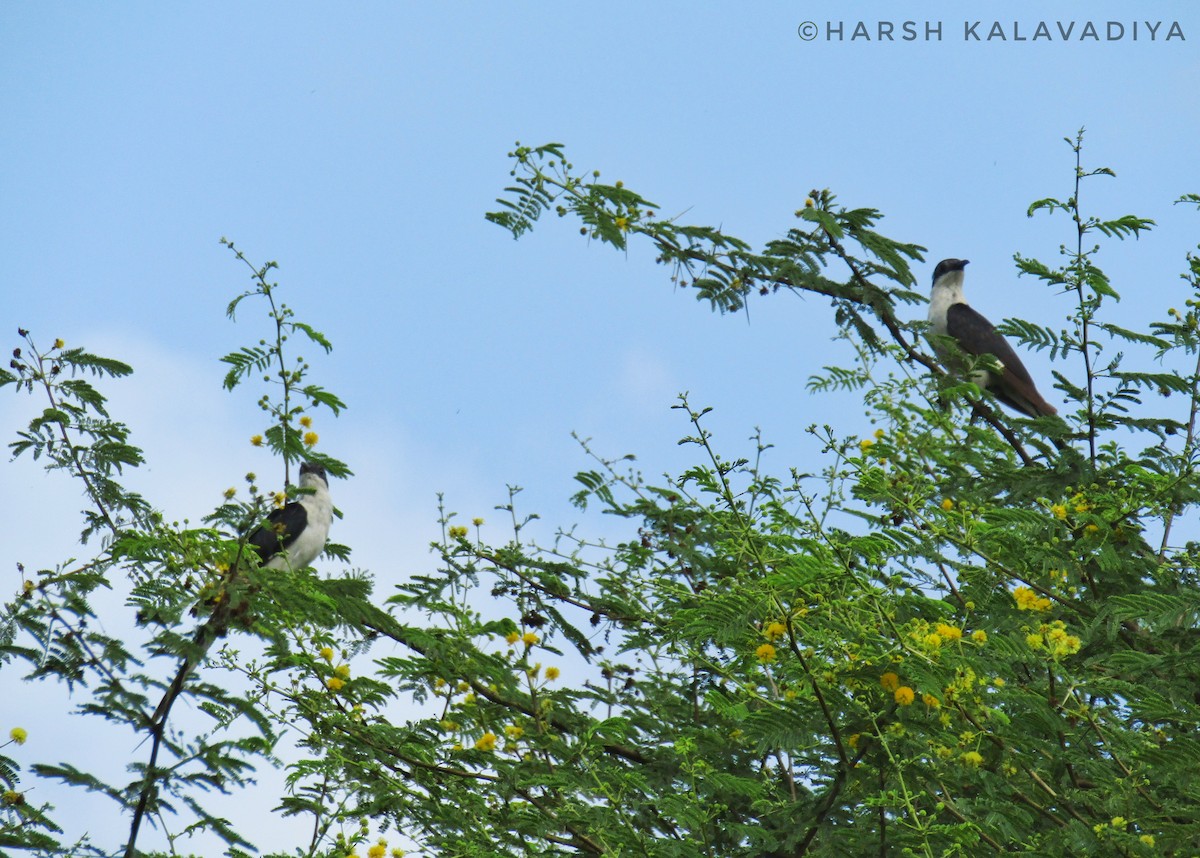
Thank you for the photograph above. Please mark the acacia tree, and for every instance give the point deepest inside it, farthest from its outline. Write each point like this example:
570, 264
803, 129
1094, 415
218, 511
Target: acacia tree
968, 633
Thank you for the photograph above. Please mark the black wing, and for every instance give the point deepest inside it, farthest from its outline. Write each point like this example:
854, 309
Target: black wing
977, 336
279, 531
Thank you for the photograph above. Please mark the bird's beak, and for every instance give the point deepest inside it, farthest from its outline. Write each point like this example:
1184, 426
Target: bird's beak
966, 262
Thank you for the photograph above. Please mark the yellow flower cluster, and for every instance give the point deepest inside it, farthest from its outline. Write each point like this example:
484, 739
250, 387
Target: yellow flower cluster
552, 673
905, 695
1028, 600
486, 742
1054, 639
458, 531
889, 681
948, 633
765, 653
964, 681
18, 735
774, 631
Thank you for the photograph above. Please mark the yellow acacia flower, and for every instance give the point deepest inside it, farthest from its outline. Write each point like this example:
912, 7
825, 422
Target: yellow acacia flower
1059, 510
879, 433
256, 440
458, 531
311, 439
512, 637
865, 444
334, 684
326, 652
230, 492
529, 639
342, 671
478, 522
486, 742
765, 653
306, 422
774, 631
514, 732
1148, 839
1028, 600
808, 203
58, 343
932, 640
378, 850
905, 695
979, 636
947, 504
950, 633
853, 741
12, 798
930, 701
973, 759
622, 224
18, 735
889, 681
552, 673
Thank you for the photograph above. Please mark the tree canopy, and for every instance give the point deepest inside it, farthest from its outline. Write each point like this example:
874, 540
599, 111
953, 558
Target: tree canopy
965, 633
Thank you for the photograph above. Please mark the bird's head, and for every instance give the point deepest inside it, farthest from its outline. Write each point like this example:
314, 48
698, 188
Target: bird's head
948, 265
311, 474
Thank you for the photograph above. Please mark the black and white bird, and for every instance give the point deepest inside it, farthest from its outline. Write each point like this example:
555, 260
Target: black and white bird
951, 316
293, 536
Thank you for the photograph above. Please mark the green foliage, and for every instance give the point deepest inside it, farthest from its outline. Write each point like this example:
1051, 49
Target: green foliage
957, 633
185, 588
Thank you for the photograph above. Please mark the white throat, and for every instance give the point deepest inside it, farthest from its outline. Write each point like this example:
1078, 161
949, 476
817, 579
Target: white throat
947, 290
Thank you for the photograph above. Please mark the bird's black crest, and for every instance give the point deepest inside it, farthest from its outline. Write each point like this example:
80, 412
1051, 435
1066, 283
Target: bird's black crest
313, 468
948, 265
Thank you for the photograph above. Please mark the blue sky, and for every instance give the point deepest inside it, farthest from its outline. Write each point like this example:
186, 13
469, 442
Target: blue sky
359, 146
